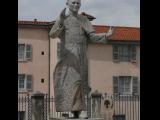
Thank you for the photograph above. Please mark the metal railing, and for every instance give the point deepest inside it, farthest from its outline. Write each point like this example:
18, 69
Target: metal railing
123, 107
24, 107
117, 107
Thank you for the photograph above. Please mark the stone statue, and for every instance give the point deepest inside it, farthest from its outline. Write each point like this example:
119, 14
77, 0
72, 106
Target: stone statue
70, 75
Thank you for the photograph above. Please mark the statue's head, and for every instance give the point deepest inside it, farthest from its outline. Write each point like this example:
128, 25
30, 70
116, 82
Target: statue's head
74, 5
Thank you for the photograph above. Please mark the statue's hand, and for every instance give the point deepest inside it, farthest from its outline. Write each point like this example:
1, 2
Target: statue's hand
110, 32
62, 16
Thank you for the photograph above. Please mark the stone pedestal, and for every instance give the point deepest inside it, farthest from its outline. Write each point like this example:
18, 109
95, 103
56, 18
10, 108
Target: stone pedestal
76, 119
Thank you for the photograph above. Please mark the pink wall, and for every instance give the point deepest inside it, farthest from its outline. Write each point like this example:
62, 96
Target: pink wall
39, 66
102, 68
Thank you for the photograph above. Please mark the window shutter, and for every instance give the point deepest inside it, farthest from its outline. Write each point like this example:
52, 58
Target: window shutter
133, 54
115, 84
29, 82
135, 85
28, 52
115, 54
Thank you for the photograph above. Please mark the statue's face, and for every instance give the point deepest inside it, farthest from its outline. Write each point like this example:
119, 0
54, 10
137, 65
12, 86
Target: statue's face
74, 5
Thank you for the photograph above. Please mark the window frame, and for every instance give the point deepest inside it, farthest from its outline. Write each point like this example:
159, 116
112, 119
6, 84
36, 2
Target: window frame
119, 55
25, 83
132, 85
25, 52
124, 85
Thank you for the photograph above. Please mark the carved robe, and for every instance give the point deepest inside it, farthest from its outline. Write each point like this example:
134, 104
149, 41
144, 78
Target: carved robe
70, 75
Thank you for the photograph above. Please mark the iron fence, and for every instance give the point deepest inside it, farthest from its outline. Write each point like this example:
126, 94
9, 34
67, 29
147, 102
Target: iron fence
123, 107
117, 107
24, 107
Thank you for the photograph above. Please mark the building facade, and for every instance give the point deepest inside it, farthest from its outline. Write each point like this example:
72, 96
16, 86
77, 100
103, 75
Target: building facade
114, 68
33, 59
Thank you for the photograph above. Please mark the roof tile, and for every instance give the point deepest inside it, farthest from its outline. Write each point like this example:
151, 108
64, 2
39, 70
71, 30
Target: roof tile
119, 33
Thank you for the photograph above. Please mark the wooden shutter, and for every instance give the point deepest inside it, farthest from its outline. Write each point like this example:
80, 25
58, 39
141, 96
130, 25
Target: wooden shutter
133, 53
28, 52
115, 54
29, 82
115, 84
135, 85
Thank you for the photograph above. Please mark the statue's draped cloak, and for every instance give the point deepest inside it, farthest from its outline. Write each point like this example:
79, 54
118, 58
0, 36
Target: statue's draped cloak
70, 75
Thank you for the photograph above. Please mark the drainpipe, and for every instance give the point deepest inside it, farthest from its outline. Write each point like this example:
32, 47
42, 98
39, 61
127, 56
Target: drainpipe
49, 74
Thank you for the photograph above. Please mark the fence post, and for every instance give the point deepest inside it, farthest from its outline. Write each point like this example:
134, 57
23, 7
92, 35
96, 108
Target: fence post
96, 104
37, 103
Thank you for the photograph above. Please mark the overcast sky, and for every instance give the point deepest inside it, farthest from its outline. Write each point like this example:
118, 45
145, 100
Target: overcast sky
107, 12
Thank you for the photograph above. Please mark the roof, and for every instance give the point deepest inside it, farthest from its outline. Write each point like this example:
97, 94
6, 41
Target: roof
35, 22
120, 33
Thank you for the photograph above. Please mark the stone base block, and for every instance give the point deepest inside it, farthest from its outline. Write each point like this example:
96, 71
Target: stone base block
76, 119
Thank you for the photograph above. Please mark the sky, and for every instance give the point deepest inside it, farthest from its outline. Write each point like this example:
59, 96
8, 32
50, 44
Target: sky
107, 12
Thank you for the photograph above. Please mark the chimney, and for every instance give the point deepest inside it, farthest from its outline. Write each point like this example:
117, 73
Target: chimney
35, 20
90, 17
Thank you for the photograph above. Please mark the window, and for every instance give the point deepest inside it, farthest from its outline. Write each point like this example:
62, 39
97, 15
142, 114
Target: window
125, 84
21, 81
24, 52
24, 82
124, 53
21, 49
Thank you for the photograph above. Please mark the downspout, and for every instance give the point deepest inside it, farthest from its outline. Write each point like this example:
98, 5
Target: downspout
49, 93
49, 74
